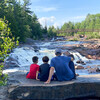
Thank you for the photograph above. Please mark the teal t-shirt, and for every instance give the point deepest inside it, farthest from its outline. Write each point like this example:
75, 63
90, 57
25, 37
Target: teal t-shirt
61, 65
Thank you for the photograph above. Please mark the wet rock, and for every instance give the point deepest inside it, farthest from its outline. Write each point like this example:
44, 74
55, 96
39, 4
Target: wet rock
79, 67
11, 62
66, 53
29, 41
77, 74
97, 70
92, 70
91, 50
36, 50
26, 48
87, 67
80, 62
89, 56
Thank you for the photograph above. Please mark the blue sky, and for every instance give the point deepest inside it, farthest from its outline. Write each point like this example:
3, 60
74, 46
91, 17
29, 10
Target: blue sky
57, 12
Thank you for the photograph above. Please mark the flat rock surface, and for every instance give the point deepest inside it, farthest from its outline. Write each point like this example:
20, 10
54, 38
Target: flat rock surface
20, 79
29, 89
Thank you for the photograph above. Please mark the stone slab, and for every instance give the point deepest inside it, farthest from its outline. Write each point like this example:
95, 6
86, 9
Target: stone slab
29, 89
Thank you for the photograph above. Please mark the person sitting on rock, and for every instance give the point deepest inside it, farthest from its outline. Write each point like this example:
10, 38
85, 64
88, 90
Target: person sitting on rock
61, 65
34, 69
71, 65
44, 69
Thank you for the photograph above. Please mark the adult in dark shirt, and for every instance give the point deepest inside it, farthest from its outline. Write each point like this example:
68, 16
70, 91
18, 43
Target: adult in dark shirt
44, 69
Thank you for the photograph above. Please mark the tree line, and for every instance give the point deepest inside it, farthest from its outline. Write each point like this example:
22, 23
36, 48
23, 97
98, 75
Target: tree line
89, 27
24, 23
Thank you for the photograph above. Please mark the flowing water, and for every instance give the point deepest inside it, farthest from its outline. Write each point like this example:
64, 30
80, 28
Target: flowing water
24, 56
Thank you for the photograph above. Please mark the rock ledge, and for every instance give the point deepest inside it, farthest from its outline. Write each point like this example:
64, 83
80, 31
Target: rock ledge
27, 89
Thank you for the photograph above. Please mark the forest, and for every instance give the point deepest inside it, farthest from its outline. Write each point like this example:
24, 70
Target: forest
24, 23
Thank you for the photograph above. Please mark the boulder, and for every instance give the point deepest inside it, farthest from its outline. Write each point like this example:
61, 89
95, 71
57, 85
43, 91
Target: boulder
87, 67
66, 53
93, 70
29, 89
11, 62
80, 62
79, 67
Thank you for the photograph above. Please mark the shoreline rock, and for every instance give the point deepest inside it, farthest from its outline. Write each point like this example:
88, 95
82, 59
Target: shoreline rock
90, 50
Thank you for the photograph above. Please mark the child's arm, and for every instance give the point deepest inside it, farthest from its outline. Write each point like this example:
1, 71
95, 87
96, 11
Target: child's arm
37, 75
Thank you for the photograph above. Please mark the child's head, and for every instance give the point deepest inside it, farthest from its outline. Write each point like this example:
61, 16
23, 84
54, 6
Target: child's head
71, 55
45, 59
35, 59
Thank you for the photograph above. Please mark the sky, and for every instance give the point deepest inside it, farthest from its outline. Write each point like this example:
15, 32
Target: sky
57, 12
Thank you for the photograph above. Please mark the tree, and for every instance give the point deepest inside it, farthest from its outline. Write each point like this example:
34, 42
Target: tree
36, 29
7, 43
67, 27
52, 31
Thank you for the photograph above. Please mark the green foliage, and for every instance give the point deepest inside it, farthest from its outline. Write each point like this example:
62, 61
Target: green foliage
95, 35
89, 27
23, 24
74, 39
7, 43
52, 31
35, 28
66, 27
3, 79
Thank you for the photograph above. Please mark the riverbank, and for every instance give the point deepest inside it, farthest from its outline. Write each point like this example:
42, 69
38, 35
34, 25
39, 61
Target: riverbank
88, 48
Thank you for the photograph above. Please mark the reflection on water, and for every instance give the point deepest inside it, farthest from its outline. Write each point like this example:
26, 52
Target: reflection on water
24, 56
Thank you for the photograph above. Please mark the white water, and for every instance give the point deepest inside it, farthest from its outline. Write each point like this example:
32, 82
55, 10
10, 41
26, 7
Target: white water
24, 56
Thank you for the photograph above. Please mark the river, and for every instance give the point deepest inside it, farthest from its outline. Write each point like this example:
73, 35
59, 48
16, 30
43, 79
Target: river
24, 56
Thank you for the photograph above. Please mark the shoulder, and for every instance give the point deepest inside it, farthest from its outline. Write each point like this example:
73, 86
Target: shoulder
53, 59
66, 56
32, 65
48, 64
41, 64
37, 65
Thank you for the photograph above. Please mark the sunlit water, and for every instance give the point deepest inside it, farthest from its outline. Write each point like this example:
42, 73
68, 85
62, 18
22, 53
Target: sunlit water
24, 56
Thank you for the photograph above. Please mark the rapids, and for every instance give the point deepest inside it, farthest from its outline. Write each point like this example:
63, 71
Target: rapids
24, 56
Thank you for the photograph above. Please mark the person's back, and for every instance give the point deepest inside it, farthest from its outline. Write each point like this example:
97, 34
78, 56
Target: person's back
44, 69
33, 69
61, 65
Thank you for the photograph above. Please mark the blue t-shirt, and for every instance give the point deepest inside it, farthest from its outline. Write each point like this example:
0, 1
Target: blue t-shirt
61, 65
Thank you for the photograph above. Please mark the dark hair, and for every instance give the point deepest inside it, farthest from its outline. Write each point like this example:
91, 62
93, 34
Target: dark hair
45, 59
71, 55
35, 59
58, 53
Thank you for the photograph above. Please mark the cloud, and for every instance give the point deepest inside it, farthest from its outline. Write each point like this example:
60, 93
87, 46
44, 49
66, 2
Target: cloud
58, 24
76, 18
47, 21
44, 9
